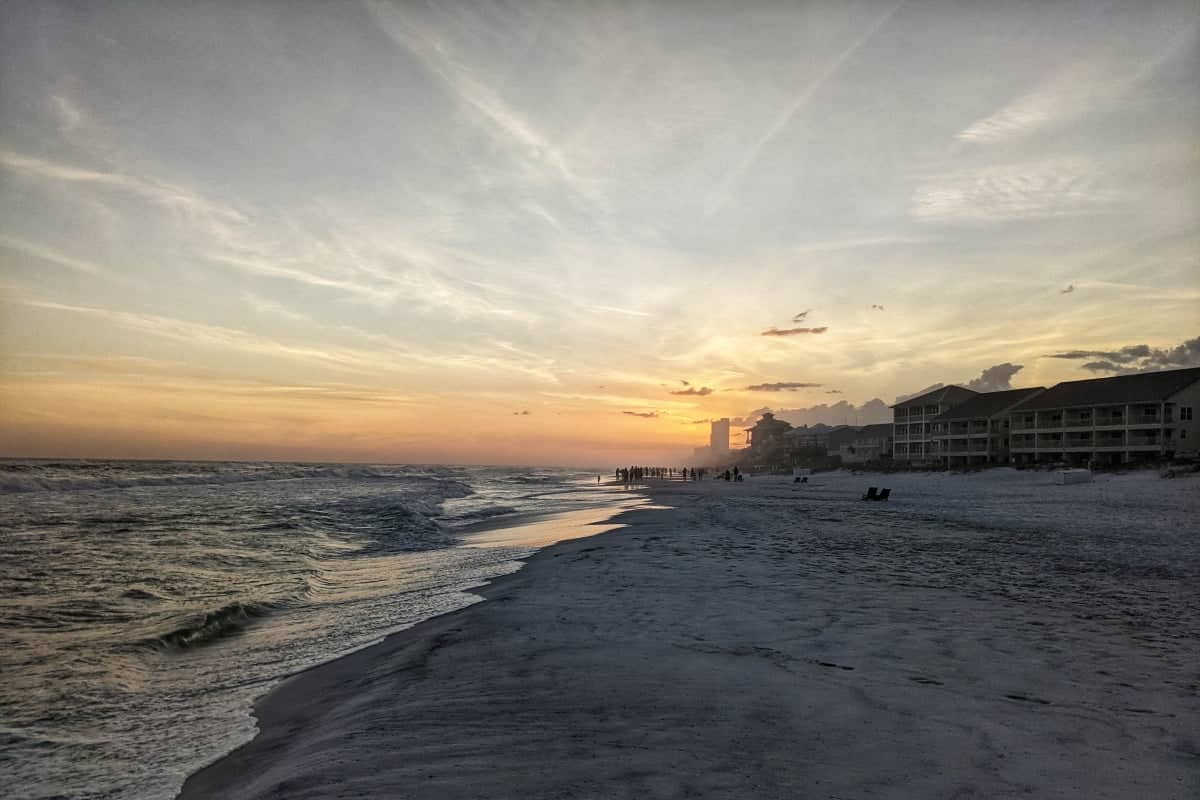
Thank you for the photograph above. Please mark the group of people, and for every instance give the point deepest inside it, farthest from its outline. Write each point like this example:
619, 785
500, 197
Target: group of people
637, 474
628, 475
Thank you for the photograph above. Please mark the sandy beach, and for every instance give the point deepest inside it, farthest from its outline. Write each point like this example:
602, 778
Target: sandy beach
989, 635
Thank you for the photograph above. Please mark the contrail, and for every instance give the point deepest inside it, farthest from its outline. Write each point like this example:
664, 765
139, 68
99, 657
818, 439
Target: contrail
735, 175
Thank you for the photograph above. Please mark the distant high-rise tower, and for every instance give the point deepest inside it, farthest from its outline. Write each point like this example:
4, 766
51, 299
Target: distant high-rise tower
718, 440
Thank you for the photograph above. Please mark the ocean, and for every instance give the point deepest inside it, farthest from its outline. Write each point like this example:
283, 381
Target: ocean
144, 606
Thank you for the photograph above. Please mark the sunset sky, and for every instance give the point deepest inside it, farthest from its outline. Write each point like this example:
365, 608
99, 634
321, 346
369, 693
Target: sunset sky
526, 233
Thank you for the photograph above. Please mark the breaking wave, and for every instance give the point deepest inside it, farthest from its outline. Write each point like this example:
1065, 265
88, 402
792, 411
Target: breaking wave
206, 628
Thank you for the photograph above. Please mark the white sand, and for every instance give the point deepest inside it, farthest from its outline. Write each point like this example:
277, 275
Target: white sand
977, 636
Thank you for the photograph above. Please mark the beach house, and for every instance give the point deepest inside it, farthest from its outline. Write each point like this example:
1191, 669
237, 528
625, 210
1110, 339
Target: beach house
976, 431
912, 422
1102, 421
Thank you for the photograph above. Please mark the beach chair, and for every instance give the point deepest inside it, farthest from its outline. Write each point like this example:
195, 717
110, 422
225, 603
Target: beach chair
883, 494
872, 494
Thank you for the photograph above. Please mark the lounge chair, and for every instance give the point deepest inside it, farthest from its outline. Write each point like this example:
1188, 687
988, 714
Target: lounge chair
883, 494
872, 494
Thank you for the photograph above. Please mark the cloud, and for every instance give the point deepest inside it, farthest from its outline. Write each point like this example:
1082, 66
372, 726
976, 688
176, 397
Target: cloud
833, 391
1070, 288
443, 61
384, 354
1050, 188
900, 398
841, 413
644, 414
686, 383
997, 378
626, 311
725, 188
263, 306
781, 387
53, 256
699, 421
792, 331
174, 197
703, 391
520, 413
876, 306
69, 114
750, 418
801, 316
1136, 357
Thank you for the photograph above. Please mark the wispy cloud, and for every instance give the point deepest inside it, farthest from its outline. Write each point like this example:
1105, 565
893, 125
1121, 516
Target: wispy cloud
643, 414
1070, 288
629, 312
786, 386
164, 194
385, 355
801, 316
440, 57
725, 188
703, 391
264, 306
1060, 187
51, 255
69, 114
793, 331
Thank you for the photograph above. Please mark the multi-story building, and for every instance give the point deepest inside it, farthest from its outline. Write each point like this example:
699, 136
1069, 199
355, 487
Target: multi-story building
1117, 420
870, 443
912, 422
976, 431
718, 439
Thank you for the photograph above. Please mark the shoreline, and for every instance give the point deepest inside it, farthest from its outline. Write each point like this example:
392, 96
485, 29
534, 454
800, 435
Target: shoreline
576, 525
755, 640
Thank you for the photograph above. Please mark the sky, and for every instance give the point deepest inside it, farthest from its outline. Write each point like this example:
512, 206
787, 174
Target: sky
574, 233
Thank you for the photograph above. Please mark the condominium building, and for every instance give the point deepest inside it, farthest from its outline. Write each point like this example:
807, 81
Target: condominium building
976, 431
870, 443
718, 440
1115, 420
912, 422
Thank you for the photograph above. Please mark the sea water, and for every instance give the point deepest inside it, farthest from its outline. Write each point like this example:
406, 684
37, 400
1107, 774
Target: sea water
144, 606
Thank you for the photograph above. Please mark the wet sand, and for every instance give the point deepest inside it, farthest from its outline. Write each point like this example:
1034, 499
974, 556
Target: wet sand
975, 637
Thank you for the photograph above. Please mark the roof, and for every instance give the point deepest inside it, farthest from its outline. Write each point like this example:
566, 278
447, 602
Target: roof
988, 404
881, 431
1141, 387
938, 396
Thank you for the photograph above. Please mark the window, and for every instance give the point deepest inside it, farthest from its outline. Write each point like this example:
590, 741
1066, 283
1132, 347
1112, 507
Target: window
1185, 413
1183, 433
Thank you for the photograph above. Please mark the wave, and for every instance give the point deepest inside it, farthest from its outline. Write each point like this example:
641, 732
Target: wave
207, 628
141, 594
87, 476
